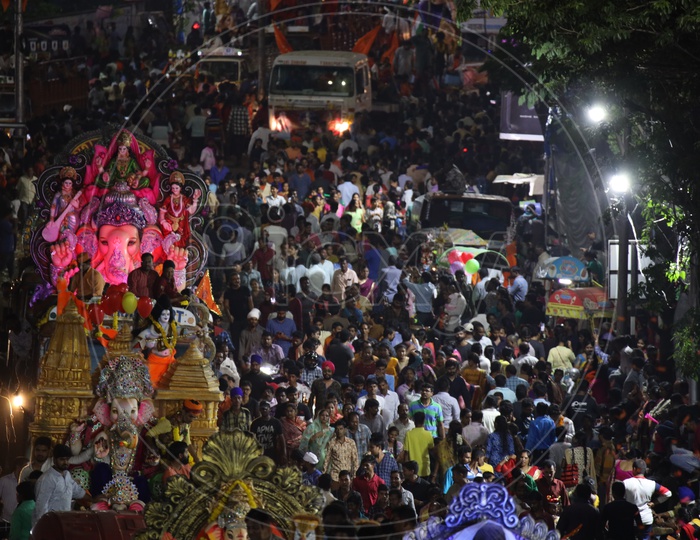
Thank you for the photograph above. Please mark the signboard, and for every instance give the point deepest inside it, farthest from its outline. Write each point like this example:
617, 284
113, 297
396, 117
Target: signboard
635, 250
518, 122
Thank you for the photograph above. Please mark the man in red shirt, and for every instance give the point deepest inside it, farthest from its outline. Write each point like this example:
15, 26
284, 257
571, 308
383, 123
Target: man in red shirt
367, 483
552, 489
262, 261
142, 280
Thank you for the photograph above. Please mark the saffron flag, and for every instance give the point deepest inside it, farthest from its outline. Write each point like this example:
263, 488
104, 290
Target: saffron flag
274, 4
391, 51
205, 295
364, 44
5, 4
282, 43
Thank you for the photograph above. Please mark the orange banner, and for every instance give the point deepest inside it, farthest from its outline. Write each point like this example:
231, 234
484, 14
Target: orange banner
282, 43
205, 295
392, 48
364, 44
274, 4
5, 4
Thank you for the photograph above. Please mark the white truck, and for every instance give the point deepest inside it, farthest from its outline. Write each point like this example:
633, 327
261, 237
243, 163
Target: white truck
318, 87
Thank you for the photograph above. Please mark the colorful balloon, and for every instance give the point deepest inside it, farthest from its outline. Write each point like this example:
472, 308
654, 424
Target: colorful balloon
453, 256
129, 302
145, 306
455, 266
123, 288
112, 300
96, 314
472, 266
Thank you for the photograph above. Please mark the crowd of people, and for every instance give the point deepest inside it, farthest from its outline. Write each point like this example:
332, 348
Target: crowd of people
388, 381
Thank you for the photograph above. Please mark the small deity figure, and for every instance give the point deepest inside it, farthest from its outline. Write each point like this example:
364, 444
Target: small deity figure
130, 166
176, 209
123, 165
64, 207
160, 337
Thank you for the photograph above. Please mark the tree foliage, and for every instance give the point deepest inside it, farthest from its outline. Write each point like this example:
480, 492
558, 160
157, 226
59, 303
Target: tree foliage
643, 60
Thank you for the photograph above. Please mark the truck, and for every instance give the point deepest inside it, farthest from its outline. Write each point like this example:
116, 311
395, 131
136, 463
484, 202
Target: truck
318, 87
223, 64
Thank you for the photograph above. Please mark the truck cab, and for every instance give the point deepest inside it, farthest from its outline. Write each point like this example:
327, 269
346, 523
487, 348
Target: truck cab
318, 87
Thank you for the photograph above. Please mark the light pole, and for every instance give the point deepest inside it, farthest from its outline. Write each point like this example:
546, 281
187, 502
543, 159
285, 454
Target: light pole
620, 185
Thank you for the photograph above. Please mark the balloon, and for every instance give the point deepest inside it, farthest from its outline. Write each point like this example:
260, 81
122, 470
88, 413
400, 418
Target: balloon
112, 300
96, 314
123, 288
472, 266
129, 302
469, 257
145, 306
463, 257
455, 266
453, 256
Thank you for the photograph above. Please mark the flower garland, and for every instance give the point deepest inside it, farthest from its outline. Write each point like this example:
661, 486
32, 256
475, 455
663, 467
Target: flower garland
170, 344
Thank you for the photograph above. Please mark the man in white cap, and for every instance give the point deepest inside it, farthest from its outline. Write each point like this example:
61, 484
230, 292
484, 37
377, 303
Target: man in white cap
251, 336
309, 472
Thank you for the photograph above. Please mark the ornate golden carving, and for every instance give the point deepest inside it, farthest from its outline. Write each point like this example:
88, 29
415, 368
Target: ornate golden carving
66, 363
232, 467
64, 392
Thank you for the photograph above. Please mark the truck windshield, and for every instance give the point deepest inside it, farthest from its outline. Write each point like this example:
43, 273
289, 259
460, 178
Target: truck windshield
221, 70
487, 218
313, 80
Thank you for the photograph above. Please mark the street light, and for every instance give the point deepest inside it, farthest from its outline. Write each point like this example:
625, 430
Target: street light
596, 113
620, 183
16, 402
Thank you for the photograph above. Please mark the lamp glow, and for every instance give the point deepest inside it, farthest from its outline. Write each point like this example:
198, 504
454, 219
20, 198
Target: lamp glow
620, 183
597, 113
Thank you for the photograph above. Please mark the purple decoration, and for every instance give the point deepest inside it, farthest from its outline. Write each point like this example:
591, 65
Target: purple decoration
119, 214
172, 164
73, 160
456, 266
42, 292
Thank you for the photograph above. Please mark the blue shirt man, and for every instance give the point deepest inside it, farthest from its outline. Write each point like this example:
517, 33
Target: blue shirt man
300, 182
542, 432
518, 289
432, 410
282, 329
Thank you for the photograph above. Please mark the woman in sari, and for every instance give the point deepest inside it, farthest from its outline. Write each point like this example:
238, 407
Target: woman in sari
317, 435
292, 427
526, 467
446, 451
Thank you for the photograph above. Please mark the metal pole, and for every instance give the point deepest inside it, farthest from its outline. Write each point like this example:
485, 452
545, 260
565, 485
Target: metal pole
634, 281
19, 69
622, 268
261, 49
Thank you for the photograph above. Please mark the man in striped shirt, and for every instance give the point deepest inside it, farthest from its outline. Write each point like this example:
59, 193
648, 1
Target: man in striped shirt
432, 410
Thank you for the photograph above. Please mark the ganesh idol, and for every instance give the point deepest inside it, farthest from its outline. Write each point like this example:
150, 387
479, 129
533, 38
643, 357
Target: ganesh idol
107, 443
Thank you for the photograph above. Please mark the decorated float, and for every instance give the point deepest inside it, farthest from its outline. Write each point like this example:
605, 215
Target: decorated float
116, 195
482, 512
